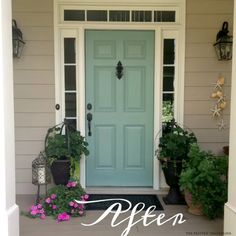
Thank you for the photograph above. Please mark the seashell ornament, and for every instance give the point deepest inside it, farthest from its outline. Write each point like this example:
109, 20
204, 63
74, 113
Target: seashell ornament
221, 81
214, 95
223, 105
219, 94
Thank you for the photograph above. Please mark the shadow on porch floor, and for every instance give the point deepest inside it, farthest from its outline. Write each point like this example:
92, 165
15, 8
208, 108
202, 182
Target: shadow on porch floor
194, 225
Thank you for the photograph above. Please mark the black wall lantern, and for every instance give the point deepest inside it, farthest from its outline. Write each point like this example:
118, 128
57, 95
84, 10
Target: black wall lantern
17, 40
223, 44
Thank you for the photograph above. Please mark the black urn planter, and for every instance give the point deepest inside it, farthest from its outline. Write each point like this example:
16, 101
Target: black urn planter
172, 171
60, 170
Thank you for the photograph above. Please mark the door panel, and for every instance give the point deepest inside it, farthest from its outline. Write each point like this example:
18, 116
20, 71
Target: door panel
105, 144
104, 89
121, 145
134, 87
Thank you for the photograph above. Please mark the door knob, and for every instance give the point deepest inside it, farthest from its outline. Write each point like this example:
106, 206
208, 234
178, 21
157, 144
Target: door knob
89, 119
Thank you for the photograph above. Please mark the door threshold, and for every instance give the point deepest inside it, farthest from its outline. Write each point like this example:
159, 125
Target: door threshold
125, 190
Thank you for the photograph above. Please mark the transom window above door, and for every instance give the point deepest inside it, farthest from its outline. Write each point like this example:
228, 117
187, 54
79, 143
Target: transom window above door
124, 15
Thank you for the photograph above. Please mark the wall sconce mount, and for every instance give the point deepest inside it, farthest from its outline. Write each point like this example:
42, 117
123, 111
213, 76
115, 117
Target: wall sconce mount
17, 40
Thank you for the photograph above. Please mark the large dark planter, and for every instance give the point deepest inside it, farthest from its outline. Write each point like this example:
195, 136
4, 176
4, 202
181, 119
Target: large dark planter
61, 171
172, 171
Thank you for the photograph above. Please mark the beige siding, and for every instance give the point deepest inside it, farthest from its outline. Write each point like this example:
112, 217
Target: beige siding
203, 21
34, 86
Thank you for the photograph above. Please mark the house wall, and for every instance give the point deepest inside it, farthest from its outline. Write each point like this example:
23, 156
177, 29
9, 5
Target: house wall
204, 19
35, 86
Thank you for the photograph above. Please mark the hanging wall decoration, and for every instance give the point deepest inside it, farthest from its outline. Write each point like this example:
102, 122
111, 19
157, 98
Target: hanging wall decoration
220, 104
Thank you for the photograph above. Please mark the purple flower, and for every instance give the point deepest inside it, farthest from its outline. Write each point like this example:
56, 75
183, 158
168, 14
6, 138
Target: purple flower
39, 206
48, 200
53, 196
54, 207
86, 196
76, 205
63, 217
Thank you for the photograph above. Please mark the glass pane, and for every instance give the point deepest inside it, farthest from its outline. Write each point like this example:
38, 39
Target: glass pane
119, 16
70, 102
141, 16
69, 50
167, 111
93, 15
74, 15
164, 16
72, 123
168, 97
169, 51
168, 78
70, 78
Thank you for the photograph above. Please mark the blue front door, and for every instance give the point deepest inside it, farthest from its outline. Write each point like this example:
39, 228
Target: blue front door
121, 105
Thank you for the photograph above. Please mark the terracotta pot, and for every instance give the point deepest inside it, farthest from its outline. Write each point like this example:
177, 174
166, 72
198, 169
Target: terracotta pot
194, 209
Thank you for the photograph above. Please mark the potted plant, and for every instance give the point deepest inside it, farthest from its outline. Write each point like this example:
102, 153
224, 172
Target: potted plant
64, 147
204, 180
173, 150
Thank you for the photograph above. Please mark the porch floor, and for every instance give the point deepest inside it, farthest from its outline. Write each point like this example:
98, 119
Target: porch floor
194, 225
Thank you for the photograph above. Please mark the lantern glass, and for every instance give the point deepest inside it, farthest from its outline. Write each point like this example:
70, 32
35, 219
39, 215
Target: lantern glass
223, 48
40, 171
17, 47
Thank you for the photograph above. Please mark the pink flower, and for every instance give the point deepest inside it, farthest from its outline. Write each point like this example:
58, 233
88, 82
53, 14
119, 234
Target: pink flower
43, 216
34, 212
71, 204
53, 196
86, 196
72, 211
54, 207
81, 213
39, 206
81, 207
71, 184
63, 217
76, 205
48, 200
41, 211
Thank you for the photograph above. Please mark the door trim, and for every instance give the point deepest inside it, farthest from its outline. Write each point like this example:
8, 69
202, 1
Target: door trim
161, 31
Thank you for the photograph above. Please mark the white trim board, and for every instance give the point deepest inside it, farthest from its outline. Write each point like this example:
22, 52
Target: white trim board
77, 29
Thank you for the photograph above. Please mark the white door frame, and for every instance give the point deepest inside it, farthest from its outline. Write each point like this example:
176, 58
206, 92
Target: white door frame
162, 31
